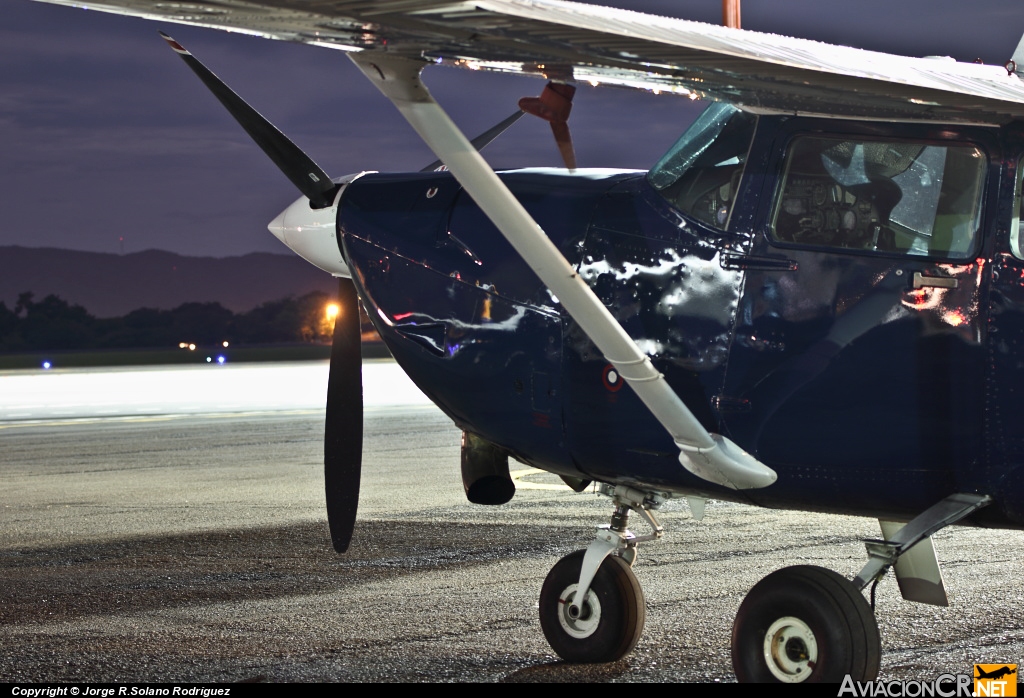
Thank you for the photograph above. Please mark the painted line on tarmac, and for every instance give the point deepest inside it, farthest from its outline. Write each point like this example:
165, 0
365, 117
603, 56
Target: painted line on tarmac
74, 421
57, 420
518, 475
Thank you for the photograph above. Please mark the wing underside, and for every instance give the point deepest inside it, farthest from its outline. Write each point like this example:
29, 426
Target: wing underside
573, 42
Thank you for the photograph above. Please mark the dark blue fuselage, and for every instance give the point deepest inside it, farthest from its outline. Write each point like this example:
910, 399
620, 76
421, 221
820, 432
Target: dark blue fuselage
866, 395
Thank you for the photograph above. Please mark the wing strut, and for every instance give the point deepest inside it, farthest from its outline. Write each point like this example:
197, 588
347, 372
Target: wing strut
709, 456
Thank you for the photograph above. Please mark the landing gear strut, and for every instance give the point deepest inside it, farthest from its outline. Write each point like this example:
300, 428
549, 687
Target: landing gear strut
591, 605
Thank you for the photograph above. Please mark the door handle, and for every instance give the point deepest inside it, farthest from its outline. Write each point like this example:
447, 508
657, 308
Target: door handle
922, 281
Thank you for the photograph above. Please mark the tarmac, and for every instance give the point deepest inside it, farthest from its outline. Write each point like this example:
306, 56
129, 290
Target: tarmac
191, 546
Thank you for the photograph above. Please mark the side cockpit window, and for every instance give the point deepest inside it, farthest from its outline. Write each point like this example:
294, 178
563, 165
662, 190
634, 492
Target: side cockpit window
1016, 244
884, 196
700, 174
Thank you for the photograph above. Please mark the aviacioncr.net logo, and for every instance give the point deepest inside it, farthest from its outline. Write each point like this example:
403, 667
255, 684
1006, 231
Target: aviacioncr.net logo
995, 680
945, 686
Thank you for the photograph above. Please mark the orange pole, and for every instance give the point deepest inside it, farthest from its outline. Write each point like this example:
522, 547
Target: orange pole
731, 13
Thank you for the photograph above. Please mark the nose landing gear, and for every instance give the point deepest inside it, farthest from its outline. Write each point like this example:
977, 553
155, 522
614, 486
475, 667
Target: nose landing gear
603, 626
591, 605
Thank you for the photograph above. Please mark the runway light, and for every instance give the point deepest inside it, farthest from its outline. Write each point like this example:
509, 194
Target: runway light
331, 313
221, 359
46, 365
208, 359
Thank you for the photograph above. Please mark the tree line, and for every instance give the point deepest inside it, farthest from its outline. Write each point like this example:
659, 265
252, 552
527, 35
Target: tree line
54, 324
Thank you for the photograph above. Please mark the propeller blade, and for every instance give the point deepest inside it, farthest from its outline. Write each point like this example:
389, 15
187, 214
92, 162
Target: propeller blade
554, 106
484, 139
563, 139
343, 433
306, 175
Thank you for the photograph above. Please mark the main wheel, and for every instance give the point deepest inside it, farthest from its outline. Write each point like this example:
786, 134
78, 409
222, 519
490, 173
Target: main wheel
802, 624
606, 625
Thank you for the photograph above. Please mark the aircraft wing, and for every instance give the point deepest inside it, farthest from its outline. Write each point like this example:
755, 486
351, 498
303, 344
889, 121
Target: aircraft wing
575, 42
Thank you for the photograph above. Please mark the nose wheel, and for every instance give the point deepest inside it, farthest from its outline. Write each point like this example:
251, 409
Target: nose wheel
805, 624
603, 626
591, 604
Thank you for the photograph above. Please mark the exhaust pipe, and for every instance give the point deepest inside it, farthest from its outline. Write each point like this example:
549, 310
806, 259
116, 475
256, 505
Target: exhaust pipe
485, 471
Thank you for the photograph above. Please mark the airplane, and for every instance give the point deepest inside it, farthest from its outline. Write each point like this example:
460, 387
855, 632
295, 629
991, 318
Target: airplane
995, 673
815, 297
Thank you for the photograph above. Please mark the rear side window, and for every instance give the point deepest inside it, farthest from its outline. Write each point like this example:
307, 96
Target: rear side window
885, 196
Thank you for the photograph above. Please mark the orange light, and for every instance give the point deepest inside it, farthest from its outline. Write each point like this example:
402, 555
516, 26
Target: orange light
919, 296
955, 318
332, 310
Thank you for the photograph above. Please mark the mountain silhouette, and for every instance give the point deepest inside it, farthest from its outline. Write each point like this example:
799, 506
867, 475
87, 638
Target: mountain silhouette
110, 285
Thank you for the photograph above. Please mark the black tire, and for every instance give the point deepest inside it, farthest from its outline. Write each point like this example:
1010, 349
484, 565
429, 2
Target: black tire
805, 624
612, 620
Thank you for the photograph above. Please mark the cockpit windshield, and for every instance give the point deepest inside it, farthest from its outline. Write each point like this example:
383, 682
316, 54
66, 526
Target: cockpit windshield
700, 174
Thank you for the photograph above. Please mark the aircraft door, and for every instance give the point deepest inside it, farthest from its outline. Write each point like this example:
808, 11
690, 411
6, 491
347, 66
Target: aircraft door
654, 254
857, 361
1005, 466
663, 281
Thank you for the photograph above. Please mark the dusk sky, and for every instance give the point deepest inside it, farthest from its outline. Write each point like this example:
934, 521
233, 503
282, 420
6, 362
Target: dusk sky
105, 133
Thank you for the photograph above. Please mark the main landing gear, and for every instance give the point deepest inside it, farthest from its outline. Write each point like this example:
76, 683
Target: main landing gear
805, 623
810, 624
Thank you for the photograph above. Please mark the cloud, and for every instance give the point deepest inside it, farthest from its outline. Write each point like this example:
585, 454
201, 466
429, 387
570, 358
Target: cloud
104, 130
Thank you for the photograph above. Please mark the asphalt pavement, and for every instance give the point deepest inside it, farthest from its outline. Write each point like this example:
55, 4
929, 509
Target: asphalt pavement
188, 545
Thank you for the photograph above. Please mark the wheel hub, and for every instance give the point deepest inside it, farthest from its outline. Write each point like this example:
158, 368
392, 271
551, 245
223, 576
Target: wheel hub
579, 620
790, 650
